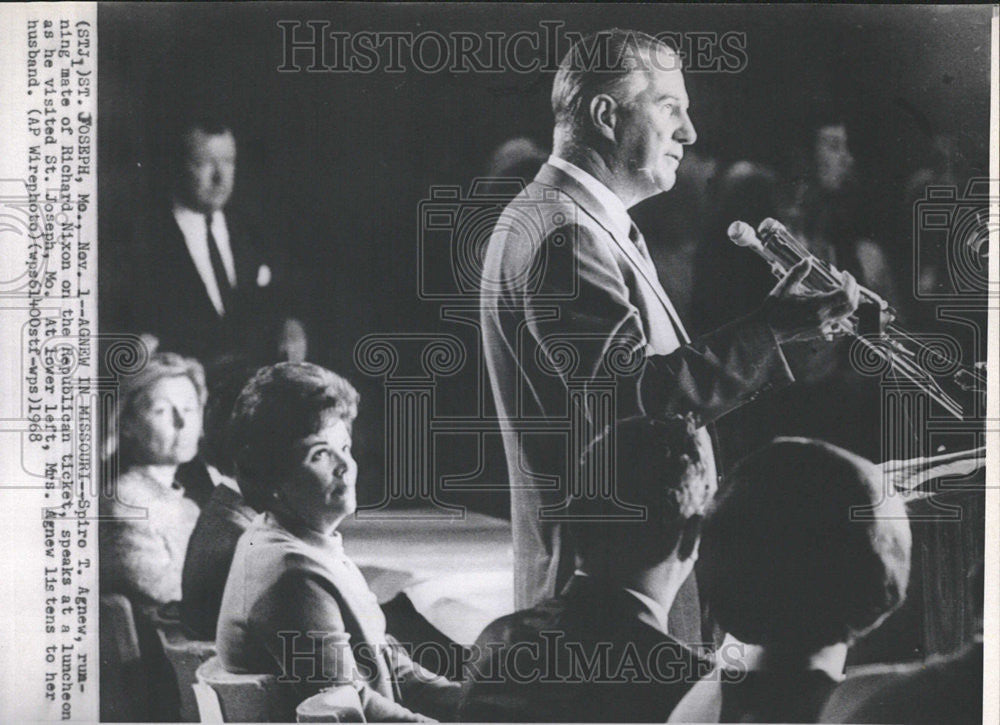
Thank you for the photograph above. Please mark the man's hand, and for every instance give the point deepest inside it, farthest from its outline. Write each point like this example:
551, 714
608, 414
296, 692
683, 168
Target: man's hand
797, 314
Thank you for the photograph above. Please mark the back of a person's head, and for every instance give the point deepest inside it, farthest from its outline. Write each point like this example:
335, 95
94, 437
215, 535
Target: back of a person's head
803, 550
518, 157
281, 404
657, 465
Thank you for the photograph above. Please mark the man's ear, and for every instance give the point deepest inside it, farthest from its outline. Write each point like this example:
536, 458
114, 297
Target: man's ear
604, 115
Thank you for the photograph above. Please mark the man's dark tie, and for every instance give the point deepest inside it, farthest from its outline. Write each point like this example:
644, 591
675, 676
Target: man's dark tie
636, 238
218, 269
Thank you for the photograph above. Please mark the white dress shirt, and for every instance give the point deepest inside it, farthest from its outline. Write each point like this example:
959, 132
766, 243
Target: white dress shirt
193, 228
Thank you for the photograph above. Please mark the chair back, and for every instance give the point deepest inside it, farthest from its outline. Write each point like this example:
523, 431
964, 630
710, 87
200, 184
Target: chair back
185, 657
124, 687
338, 704
239, 697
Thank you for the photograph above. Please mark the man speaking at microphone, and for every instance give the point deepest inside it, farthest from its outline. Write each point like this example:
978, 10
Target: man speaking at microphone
567, 284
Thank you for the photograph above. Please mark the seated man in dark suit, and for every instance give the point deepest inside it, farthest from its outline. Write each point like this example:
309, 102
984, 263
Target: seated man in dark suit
209, 555
802, 555
600, 652
224, 517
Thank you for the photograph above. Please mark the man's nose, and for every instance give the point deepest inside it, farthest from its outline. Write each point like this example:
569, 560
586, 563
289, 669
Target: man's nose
179, 421
686, 134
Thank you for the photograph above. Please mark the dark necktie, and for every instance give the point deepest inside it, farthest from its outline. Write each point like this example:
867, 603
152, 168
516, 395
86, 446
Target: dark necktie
218, 269
636, 237
682, 338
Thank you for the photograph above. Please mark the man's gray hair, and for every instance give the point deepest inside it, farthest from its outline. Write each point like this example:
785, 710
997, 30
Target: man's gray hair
601, 62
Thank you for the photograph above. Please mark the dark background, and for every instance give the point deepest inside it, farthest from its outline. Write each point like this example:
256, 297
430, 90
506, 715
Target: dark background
336, 163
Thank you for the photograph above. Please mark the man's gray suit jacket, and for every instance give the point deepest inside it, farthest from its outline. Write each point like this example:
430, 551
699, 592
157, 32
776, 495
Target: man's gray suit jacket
570, 309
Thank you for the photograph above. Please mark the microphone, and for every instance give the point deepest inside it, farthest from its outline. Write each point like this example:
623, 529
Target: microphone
782, 252
872, 327
742, 235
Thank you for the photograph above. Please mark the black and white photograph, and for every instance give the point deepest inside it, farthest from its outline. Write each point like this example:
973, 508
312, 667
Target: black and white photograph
500, 362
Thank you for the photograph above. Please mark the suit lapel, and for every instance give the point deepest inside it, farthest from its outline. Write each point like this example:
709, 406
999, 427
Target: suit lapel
551, 176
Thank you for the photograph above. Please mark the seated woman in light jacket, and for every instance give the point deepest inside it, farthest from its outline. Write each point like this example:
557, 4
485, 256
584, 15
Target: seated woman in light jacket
146, 524
295, 605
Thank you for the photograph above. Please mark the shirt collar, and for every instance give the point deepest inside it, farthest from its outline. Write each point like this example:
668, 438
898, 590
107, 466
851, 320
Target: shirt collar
657, 610
165, 476
614, 206
221, 479
188, 214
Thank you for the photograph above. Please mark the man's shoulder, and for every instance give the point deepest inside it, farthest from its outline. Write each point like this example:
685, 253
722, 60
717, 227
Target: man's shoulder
886, 692
221, 524
152, 239
574, 660
228, 505
542, 208
542, 219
